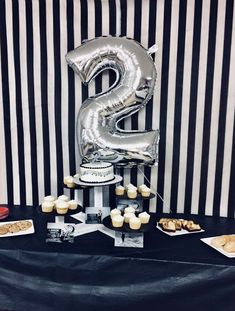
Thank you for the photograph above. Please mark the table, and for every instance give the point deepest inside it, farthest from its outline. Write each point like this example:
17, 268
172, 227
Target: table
91, 274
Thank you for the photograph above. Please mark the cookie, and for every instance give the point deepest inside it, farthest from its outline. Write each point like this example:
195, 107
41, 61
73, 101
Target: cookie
24, 225
230, 247
3, 230
14, 228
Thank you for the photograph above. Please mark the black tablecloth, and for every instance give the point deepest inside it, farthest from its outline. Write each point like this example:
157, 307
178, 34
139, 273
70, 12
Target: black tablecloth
91, 274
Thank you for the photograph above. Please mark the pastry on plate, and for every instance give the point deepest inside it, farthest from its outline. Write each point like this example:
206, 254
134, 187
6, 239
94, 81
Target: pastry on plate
168, 226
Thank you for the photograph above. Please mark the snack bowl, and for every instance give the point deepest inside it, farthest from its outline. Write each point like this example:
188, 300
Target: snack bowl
4, 212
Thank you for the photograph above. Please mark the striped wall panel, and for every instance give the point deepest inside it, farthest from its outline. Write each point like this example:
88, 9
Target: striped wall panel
193, 104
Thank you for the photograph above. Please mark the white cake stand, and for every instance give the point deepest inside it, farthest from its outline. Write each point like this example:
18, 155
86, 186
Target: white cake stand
98, 190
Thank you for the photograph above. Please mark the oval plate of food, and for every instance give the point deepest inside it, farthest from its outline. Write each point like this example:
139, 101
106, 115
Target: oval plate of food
175, 227
17, 227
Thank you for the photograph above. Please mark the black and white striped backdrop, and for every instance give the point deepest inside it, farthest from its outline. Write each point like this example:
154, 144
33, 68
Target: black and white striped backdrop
193, 104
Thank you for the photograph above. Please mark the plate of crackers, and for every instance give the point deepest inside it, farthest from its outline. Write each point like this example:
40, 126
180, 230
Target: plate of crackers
175, 227
18, 227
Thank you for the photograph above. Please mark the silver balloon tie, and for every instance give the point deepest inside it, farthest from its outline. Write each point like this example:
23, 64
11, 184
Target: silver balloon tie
153, 49
96, 157
155, 191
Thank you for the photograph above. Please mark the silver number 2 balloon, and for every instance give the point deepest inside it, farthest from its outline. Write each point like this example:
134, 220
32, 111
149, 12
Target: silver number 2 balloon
98, 132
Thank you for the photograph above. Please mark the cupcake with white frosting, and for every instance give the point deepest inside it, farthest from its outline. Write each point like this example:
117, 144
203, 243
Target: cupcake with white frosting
141, 187
119, 190
129, 209
70, 182
115, 212
130, 187
144, 217
63, 197
131, 193
135, 223
47, 206
117, 221
62, 207
145, 192
73, 204
49, 198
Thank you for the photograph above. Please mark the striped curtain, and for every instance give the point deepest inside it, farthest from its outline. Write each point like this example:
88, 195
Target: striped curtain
193, 104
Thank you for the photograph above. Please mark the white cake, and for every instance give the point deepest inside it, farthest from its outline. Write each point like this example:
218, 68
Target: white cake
96, 172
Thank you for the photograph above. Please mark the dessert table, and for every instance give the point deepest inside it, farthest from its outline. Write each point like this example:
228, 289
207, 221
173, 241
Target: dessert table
91, 274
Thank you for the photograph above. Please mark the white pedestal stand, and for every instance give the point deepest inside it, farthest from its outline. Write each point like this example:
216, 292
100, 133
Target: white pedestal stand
98, 190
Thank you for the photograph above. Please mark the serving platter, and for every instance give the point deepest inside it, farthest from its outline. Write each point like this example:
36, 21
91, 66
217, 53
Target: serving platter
218, 249
116, 179
178, 232
29, 230
107, 222
54, 212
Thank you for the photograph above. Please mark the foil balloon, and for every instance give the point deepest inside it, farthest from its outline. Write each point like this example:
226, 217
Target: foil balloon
98, 132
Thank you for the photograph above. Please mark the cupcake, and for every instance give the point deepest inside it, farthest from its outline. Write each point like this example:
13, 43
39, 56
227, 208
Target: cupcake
141, 187
130, 187
73, 204
70, 182
49, 198
117, 221
47, 206
63, 198
134, 223
115, 212
128, 216
145, 192
144, 217
62, 207
66, 179
129, 209
131, 193
119, 190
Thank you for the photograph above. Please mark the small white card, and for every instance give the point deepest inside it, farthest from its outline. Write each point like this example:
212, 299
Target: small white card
95, 215
60, 232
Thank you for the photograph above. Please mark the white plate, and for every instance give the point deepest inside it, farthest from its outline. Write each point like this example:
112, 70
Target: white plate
220, 250
178, 232
116, 179
22, 232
